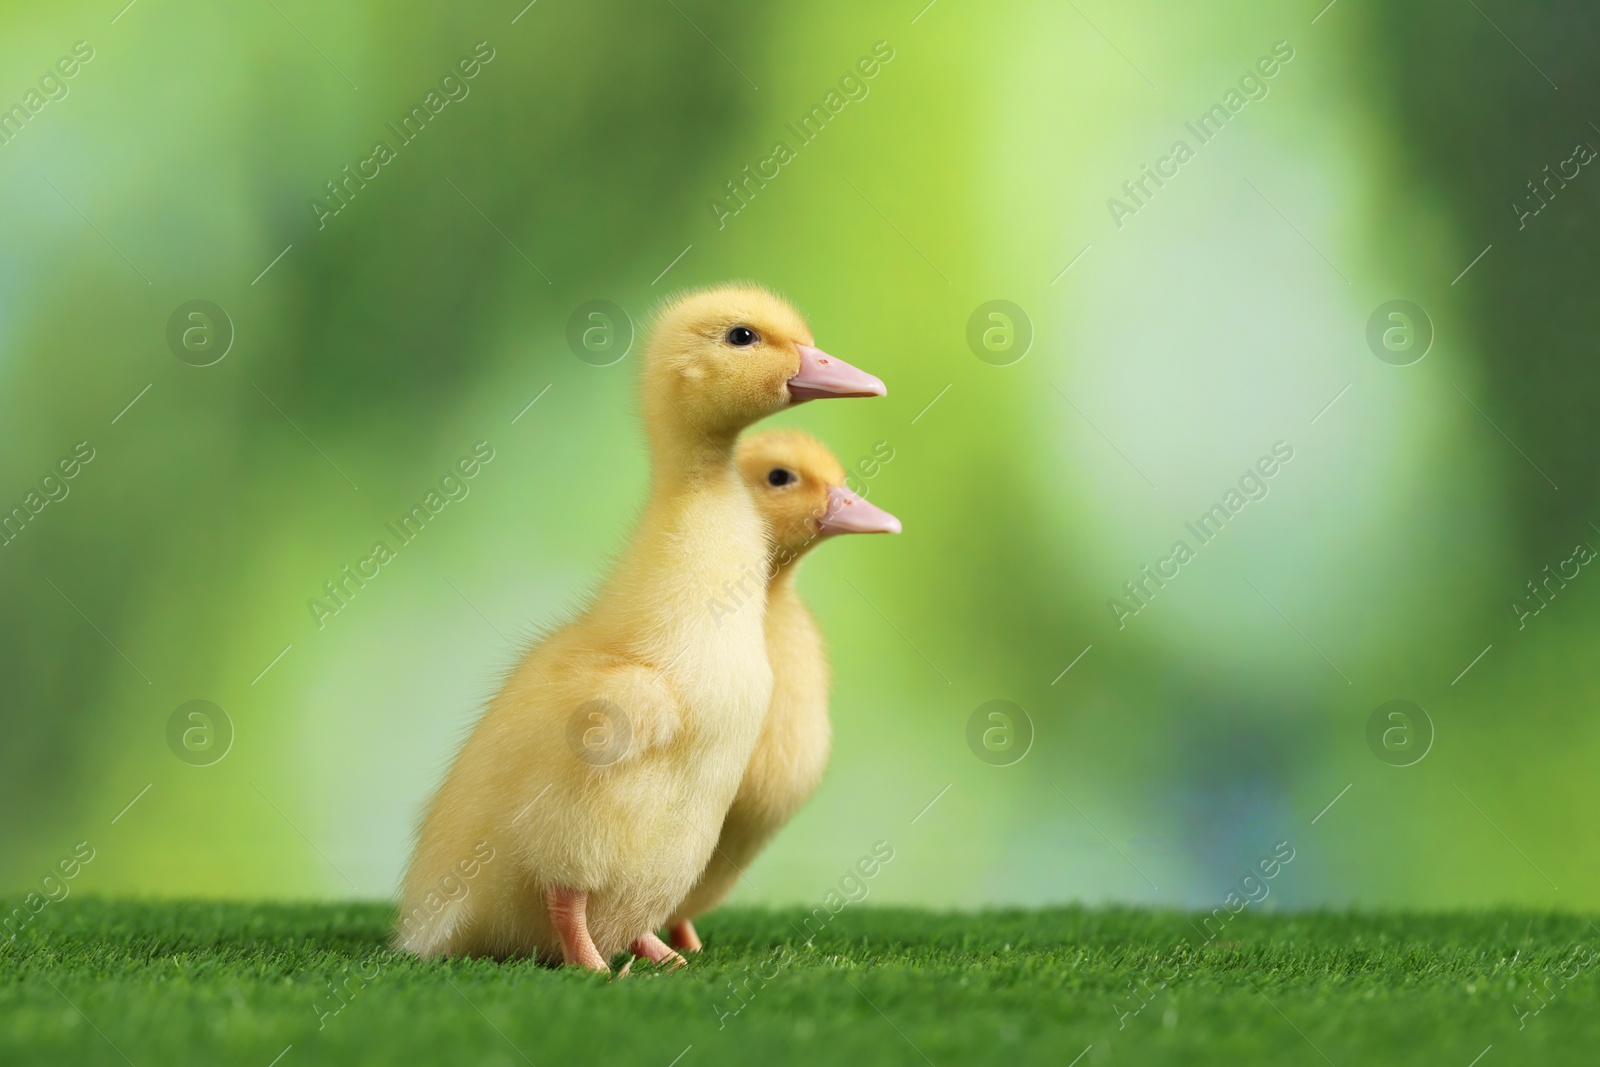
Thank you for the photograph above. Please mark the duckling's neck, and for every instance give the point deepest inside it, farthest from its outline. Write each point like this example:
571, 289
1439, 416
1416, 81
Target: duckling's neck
679, 466
692, 574
685, 455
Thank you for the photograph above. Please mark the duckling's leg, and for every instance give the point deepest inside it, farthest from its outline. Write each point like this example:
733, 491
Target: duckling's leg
567, 915
655, 950
682, 935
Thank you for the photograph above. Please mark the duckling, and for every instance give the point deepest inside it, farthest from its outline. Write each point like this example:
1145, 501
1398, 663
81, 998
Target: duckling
587, 800
800, 492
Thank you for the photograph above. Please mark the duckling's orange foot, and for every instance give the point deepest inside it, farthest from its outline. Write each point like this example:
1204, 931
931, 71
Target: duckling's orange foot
655, 950
683, 936
568, 914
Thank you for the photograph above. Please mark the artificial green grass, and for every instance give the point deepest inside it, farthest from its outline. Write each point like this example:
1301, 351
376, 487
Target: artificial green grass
111, 982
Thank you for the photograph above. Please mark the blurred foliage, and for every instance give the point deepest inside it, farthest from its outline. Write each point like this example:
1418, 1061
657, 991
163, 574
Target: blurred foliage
428, 313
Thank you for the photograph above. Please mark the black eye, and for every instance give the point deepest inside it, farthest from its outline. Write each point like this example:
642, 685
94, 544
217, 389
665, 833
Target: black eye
779, 476
741, 336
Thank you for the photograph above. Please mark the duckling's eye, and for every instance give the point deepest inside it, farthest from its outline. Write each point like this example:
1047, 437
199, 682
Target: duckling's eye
741, 336
779, 476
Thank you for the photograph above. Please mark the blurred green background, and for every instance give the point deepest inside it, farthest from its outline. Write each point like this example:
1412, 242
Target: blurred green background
1221, 317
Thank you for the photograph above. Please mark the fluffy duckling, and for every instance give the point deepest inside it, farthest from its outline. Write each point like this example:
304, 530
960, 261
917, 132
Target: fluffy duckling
799, 490
587, 800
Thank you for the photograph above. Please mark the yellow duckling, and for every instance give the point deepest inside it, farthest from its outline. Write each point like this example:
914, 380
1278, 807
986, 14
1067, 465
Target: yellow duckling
588, 798
799, 490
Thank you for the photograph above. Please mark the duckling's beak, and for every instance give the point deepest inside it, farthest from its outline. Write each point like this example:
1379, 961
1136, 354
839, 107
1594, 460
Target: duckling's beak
849, 513
823, 375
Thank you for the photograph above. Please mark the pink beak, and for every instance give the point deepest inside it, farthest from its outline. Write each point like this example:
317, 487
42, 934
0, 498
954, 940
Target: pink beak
823, 375
849, 513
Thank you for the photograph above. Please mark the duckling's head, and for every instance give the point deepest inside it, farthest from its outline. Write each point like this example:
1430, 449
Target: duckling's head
722, 358
799, 490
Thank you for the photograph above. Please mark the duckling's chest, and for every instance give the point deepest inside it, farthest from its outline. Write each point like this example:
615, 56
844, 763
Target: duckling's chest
713, 644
